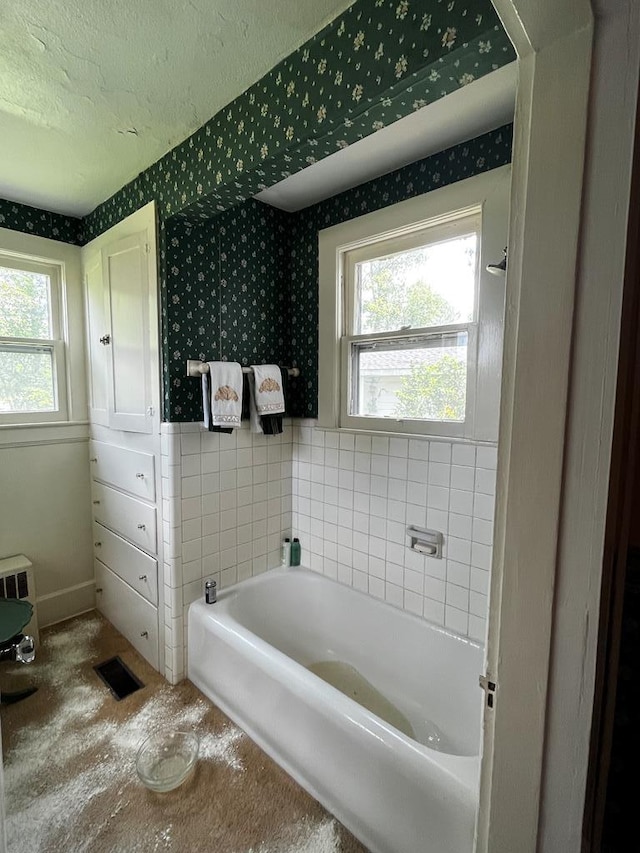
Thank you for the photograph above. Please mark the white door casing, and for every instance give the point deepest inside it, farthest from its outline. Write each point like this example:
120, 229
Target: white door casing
553, 41
541, 474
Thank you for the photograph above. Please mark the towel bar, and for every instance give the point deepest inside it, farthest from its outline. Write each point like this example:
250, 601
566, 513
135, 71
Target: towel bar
197, 368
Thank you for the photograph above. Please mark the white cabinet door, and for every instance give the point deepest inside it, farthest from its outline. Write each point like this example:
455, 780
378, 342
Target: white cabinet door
126, 280
97, 329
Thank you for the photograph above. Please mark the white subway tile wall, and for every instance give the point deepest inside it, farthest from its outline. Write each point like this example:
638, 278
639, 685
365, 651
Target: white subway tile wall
354, 496
229, 500
227, 508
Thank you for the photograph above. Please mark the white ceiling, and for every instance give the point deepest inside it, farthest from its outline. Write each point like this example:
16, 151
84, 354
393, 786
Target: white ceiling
483, 105
93, 92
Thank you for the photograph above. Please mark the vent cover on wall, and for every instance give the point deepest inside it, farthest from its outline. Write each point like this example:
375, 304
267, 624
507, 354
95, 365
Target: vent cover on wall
16, 581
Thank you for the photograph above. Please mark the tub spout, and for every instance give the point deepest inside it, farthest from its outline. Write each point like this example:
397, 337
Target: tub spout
210, 592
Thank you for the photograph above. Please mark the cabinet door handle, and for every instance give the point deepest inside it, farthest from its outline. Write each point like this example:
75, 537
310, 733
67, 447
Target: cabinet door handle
144, 633
96, 502
98, 589
97, 544
140, 476
142, 577
142, 527
105, 340
93, 459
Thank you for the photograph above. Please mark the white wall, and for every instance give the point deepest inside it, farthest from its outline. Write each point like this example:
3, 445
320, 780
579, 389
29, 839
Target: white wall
45, 510
44, 469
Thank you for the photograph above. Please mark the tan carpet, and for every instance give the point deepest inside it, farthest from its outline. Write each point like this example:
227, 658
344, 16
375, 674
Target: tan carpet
69, 755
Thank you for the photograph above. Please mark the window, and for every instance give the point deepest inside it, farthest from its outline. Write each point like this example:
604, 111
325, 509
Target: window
32, 348
411, 311
410, 324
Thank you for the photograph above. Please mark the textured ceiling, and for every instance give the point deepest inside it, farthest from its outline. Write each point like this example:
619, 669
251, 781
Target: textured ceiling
93, 92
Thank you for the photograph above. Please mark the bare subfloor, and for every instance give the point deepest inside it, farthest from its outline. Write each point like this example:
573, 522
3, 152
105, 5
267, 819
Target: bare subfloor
70, 778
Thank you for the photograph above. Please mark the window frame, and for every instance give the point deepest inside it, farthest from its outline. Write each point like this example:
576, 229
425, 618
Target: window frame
486, 194
56, 344
431, 232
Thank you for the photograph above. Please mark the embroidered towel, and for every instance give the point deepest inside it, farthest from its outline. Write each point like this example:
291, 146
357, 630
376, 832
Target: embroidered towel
225, 383
206, 407
272, 424
269, 396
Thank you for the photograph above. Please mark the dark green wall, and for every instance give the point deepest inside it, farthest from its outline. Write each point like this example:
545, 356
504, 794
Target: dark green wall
227, 297
41, 223
244, 286
376, 63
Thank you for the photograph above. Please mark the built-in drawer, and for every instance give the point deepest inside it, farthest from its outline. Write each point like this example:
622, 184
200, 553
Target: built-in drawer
135, 618
134, 566
134, 520
125, 469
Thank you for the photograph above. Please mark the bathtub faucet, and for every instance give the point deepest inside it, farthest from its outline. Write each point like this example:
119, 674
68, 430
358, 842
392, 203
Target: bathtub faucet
210, 594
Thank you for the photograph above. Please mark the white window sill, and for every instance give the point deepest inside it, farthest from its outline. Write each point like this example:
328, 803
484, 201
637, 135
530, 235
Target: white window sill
47, 432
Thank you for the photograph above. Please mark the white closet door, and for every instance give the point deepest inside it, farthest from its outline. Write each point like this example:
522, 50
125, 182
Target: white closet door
125, 271
97, 352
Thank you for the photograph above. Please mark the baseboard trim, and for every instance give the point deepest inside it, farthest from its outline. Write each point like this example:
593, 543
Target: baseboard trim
65, 603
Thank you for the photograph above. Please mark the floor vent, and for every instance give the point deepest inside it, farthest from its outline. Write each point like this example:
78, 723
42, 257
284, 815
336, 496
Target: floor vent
118, 678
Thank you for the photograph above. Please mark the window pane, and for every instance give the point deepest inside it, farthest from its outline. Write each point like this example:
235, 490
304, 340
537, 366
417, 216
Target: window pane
425, 382
432, 285
25, 304
26, 381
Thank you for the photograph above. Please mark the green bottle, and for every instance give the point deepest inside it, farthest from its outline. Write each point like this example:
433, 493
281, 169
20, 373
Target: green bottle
295, 552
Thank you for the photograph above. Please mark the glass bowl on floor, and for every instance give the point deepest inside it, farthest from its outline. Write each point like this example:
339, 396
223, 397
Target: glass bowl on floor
165, 759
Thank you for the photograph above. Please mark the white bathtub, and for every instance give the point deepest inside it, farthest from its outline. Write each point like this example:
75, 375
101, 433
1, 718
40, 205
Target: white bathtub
249, 652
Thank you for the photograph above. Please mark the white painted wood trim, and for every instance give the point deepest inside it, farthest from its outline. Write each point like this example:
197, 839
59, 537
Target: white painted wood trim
545, 217
68, 258
62, 604
616, 64
489, 191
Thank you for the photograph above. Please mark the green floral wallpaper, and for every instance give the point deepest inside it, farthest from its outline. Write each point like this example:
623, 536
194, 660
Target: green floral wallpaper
244, 286
41, 223
238, 279
372, 65
227, 297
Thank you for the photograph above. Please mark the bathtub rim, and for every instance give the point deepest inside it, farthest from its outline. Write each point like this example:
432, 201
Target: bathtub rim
464, 769
232, 590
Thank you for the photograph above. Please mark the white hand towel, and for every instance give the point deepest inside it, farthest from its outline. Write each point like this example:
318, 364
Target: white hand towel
268, 389
225, 382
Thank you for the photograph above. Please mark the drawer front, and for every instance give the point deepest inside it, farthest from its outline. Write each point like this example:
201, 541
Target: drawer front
130, 517
135, 618
135, 567
125, 469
